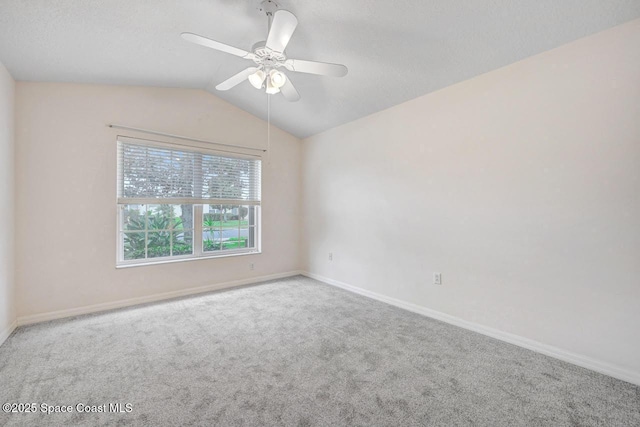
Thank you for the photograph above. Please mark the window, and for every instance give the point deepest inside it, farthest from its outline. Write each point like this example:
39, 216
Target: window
182, 202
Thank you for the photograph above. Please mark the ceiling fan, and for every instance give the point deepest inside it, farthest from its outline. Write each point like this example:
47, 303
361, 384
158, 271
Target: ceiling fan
269, 56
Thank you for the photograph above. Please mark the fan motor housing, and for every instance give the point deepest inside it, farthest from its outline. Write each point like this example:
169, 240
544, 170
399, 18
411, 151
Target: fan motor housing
264, 54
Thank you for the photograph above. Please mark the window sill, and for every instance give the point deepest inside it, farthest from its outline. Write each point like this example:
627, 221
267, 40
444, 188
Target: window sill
171, 261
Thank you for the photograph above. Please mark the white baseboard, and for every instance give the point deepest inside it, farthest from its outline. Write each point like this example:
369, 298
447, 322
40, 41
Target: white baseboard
558, 353
7, 331
95, 308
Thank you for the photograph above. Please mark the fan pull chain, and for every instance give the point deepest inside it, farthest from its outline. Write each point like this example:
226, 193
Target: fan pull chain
268, 129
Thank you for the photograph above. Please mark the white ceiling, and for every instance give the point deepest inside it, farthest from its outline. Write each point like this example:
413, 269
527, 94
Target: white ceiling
396, 50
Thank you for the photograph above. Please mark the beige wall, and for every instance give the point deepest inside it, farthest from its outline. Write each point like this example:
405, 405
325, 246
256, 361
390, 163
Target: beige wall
7, 284
521, 186
66, 183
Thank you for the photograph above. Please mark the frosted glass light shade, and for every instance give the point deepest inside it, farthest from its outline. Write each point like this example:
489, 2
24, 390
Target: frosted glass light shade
278, 79
271, 88
256, 79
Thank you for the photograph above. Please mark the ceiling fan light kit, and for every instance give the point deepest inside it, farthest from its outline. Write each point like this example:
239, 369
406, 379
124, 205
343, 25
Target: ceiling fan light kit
271, 88
269, 56
277, 78
257, 79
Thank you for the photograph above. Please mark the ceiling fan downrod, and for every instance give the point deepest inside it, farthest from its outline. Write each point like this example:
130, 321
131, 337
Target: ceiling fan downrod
268, 7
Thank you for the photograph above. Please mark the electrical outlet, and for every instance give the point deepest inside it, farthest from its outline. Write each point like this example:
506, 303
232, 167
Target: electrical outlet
437, 278
330, 256
250, 266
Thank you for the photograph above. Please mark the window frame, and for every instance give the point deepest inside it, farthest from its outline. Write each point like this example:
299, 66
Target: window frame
198, 242
198, 251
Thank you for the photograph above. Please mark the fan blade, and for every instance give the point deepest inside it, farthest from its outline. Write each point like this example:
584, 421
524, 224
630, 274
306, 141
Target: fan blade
203, 41
282, 27
289, 91
312, 67
237, 79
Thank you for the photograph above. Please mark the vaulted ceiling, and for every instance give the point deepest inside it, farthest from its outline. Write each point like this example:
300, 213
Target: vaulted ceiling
396, 50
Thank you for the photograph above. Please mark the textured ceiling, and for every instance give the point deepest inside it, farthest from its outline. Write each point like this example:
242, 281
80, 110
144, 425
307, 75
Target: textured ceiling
396, 50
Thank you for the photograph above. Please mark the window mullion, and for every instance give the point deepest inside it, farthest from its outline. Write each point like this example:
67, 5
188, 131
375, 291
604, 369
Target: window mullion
146, 231
197, 230
239, 225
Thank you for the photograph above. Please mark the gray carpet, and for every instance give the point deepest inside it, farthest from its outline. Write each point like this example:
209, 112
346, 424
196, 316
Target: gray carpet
294, 352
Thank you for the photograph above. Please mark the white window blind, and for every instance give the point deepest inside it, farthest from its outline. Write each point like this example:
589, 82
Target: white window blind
149, 172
